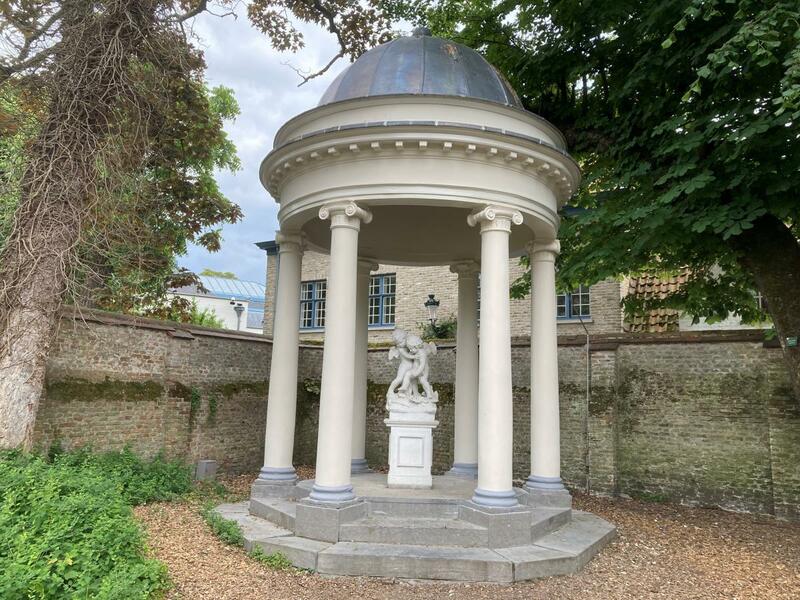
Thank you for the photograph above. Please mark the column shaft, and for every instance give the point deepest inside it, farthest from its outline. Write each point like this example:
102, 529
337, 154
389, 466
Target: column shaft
334, 441
545, 432
495, 403
358, 463
282, 399
465, 447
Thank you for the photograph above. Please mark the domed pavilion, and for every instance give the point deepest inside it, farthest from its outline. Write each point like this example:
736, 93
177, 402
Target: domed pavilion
421, 153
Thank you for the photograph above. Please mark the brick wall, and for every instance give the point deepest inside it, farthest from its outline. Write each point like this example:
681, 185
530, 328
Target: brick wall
191, 392
700, 418
415, 283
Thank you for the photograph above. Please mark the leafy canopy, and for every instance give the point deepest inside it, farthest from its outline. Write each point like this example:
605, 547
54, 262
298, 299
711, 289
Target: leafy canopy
682, 113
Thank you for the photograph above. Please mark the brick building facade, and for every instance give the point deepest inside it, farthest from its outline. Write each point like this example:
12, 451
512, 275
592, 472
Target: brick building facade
413, 284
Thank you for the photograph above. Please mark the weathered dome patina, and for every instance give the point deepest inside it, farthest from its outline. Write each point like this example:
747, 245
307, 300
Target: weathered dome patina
421, 65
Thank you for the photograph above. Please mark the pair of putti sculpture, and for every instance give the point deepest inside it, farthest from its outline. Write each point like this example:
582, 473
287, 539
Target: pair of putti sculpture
412, 372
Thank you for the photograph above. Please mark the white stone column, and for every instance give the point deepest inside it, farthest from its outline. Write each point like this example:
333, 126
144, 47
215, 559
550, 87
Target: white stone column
545, 478
495, 405
358, 462
332, 483
282, 400
465, 448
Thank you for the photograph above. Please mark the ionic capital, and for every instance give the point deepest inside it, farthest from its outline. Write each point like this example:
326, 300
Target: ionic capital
345, 214
366, 265
544, 250
290, 241
495, 218
465, 269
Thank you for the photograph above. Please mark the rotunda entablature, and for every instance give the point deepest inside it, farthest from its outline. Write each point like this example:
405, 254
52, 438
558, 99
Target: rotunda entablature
421, 163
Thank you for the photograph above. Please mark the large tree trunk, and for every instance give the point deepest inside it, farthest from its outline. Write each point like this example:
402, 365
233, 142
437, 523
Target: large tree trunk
771, 252
71, 163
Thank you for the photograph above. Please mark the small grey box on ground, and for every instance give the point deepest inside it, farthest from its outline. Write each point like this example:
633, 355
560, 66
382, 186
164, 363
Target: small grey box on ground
206, 470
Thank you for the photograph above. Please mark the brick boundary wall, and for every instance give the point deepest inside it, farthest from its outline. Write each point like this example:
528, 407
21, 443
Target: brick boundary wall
698, 418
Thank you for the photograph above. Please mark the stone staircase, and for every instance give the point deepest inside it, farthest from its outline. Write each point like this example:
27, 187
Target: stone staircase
427, 539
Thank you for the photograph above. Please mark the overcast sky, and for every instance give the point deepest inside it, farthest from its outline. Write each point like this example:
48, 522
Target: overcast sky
240, 57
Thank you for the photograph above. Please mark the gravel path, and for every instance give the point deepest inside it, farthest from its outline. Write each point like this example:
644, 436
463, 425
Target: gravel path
662, 551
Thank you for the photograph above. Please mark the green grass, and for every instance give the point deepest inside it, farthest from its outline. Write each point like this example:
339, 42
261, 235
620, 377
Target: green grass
67, 528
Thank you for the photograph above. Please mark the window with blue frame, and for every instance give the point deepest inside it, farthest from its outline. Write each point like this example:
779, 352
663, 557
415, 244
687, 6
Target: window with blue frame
382, 302
312, 304
574, 305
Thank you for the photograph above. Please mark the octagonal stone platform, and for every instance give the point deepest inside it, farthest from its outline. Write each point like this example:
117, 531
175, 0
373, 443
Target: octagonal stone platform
421, 534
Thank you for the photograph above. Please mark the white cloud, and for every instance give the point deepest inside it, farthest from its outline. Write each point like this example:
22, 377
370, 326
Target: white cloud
240, 57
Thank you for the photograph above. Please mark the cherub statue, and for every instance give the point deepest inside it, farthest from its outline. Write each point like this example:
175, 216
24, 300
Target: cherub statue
400, 350
412, 372
420, 368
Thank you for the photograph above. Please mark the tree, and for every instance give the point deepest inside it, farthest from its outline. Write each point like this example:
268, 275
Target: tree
222, 274
111, 181
683, 114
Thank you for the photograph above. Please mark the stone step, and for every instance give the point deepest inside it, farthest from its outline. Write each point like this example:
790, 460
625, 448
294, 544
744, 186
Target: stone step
421, 531
415, 562
279, 511
548, 520
413, 508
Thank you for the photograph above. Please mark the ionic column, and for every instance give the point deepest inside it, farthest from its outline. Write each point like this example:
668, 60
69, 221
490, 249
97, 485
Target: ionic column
278, 471
465, 450
332, 483
545, 477
358, 462
495, 407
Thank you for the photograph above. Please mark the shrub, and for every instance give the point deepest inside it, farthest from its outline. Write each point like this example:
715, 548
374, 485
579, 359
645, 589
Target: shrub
276, 560
140, 481
226, 530
67, 528
444, 329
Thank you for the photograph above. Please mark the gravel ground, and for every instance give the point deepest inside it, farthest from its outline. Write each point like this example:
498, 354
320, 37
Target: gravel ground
662, 551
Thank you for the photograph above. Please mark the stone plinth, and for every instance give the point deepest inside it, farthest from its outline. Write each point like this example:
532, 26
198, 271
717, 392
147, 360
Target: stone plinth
410, 449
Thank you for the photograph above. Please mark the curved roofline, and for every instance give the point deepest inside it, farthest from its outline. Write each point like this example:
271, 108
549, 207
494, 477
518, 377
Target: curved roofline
334, 107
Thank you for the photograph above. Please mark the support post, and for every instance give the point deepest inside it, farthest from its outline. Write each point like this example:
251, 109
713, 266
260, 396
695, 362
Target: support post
544, 483
495, 403
465, 447
277, 476
332, 483
358, 462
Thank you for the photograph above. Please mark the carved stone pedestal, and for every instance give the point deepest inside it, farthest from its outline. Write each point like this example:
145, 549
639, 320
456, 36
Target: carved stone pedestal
410, 449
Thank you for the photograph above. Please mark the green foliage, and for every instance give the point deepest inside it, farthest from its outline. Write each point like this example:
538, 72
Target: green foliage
139, 481
226, 530
213, 405
67, 529
206, 317
275, 560
195, 399
222, 274
683, 115
443, 329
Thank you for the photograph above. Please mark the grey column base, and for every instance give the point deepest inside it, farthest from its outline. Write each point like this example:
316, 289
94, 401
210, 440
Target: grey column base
264, 488
505, 527
321, 520
547, 492
493, 499
466, 470
359, 465
336, 494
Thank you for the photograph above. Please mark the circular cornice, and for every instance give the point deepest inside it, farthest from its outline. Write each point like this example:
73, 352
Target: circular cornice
535, 157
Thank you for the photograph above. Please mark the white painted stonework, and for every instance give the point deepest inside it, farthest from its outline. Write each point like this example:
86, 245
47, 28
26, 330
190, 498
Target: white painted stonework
411, 413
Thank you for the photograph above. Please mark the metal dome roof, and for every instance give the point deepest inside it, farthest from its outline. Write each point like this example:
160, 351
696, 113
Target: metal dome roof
421, 64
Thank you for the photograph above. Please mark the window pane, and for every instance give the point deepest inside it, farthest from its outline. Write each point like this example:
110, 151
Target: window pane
305, 314
306, 290
388, 310
581, 302
374, 285
321, 290
389, 284
374, 311
319, 317
561, 305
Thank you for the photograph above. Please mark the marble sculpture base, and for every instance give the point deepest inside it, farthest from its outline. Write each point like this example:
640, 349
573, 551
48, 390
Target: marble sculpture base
410, 449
